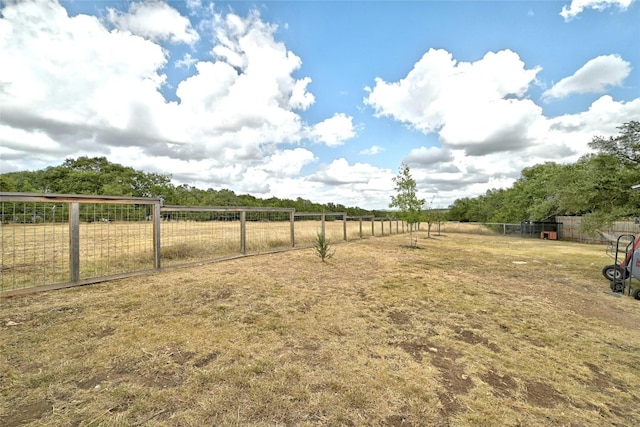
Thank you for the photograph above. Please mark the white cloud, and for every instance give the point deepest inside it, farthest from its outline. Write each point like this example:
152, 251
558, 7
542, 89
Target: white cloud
596, 76
333, 131
480, 106
77, 87
372, 151
488, 128
562, 139
578, 6
73, 79
341, 172
187, 61
154, 20
288, 163
79, 84
426, 156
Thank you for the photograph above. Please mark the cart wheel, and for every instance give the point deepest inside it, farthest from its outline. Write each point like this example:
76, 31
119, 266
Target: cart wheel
617, 286
636, 293
613, 272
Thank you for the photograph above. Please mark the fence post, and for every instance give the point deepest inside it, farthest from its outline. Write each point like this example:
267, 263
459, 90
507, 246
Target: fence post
322, 222
361, 227
243, 232
344, 226
74, 241
293, 228
373, 226
156, 236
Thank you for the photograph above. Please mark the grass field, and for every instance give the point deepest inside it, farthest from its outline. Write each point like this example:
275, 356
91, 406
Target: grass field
38, 254
465, 330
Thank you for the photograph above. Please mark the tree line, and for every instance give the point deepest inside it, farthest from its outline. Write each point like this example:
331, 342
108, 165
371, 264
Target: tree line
99, 176
598, 187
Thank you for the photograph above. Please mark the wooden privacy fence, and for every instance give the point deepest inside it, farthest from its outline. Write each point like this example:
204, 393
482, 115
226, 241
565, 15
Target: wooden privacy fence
571, 229
51, 241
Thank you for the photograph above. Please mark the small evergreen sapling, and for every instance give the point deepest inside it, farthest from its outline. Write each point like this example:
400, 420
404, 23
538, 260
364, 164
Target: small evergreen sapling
323, 247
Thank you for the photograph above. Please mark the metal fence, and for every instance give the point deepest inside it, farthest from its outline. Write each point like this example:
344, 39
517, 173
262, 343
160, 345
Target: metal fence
486, 228
567, 228
56, 241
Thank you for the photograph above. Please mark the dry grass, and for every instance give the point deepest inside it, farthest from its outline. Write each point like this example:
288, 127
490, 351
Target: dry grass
38, 254
465, 330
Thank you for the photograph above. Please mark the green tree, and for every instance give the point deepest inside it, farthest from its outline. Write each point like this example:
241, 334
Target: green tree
7, 183
625, 146
406, 200
96, 175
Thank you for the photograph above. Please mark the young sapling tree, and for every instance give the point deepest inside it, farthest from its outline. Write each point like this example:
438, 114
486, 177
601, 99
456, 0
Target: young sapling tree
406, 200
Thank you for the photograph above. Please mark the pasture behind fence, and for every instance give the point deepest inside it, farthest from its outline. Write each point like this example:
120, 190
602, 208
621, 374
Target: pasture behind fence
55, 241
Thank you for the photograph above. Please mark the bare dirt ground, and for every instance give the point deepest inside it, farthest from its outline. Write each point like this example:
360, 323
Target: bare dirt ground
463, 330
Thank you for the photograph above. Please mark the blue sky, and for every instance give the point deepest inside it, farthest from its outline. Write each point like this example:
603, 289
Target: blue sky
317, 99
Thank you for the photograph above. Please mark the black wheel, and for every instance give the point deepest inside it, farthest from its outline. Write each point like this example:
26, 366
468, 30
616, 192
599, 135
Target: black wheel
636, 293
614, 272
617, 286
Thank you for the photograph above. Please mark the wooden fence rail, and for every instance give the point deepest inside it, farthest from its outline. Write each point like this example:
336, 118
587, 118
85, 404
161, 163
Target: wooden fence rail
51, 241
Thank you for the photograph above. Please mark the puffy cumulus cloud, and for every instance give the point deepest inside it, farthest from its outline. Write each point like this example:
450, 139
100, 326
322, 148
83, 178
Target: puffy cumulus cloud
284, 165
288, 163
572, 132
78, 88
356, 184
340, 172
372, 151
333, 131
263, 64
154, 20
596, 76
243, 103
77, 82
578, 6
425, 156
447, 174
453, 174
477, 106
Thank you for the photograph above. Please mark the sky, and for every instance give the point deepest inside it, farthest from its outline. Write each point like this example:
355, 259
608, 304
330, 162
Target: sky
323, 100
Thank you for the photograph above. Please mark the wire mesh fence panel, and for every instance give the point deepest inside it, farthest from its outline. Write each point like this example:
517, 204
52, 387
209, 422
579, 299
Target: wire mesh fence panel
187, 236
334, 228
307, 229
115, 239
34, 244
379, 227
53, 241
503, 229
267, 230
309, 225
358, 228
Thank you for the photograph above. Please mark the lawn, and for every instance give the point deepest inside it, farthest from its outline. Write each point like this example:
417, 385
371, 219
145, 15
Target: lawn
464, 330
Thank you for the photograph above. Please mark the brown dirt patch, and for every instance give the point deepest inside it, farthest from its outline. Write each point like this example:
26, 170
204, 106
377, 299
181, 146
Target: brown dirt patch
27, 413
503, 385
542, 394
